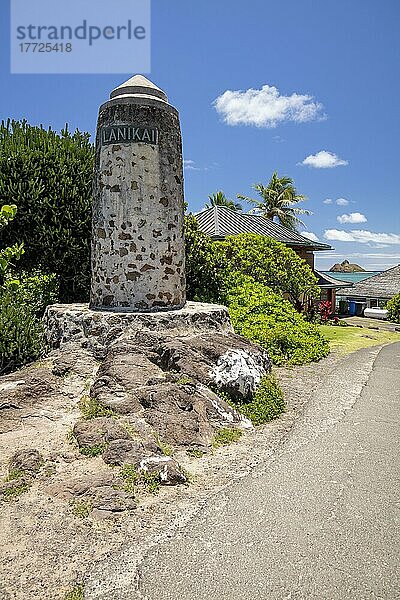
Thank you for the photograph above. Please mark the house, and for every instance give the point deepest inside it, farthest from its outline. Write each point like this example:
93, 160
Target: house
375, 290
219, 222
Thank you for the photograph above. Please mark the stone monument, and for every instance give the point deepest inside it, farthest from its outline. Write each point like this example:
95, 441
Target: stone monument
138, 253
158, 359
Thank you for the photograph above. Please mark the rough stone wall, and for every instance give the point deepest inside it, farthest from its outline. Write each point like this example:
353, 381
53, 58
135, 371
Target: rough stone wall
138, 246
96, 330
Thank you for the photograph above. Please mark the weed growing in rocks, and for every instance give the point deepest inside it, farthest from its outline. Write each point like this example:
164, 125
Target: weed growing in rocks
93, 451
19, 483
91, 408
81, 509
129, 429
184, 380
77, 593
135, 480
195, 452
226, 436
163, 446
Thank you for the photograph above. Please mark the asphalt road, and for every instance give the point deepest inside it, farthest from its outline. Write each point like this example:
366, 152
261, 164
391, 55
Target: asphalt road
319, 520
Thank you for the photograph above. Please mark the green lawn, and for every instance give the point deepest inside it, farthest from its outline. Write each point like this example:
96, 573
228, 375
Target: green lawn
350, 339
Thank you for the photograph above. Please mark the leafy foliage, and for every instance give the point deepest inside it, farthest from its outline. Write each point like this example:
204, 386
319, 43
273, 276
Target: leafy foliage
271, 263
393, 308
278, 200
205, 266
266, 404
21, 333
266, 318
11, 253
22, 303
34, 290
325, 310
49, 177
219, 199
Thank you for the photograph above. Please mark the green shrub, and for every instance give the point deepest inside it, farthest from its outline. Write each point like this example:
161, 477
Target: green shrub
35, 290
206, 268
49, 176
271, 263
21, 333
266, 318
393, 308
266, 404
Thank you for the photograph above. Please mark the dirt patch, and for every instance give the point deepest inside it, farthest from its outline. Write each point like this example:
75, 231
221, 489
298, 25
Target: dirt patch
49, 546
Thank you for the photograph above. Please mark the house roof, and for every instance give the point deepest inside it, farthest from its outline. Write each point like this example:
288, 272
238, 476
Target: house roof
219, 221
326, 281
383, 285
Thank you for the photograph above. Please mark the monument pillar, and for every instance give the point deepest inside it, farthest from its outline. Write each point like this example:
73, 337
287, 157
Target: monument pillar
138, 253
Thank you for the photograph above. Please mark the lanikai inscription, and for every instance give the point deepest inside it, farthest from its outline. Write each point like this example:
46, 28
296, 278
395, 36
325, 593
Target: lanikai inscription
127, 134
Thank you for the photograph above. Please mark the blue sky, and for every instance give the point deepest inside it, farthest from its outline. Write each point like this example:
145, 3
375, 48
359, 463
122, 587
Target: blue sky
335, 70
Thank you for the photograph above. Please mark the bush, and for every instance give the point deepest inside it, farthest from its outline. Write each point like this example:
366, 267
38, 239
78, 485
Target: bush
35, 290
206, 268
271, 263
266, 318
49, 176
266, 404
14, 252
393, 308
21, 333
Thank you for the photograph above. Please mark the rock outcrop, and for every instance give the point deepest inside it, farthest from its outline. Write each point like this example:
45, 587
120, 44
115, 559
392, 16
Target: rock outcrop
346, 267
147, 386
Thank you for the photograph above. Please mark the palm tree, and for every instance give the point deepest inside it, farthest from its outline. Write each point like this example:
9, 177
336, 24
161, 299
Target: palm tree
219, 199
277, 201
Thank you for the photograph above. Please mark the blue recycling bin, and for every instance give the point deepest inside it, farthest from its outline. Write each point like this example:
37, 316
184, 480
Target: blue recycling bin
352, 308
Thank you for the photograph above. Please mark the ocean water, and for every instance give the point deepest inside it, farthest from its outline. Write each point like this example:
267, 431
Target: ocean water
351, 277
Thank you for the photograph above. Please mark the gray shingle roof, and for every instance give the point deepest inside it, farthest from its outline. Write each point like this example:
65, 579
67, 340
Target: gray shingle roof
219, 221
383, 285
326, 281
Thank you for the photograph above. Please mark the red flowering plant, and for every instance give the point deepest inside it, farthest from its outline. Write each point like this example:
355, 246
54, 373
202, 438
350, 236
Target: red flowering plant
325, 310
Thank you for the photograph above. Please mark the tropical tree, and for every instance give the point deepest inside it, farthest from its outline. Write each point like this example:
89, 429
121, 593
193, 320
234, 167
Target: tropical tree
278, 200
219, 199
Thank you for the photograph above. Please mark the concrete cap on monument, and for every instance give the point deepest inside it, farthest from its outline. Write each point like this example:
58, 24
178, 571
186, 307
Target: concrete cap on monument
138, 252
138, 85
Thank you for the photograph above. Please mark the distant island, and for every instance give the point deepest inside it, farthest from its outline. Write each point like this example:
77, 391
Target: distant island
346, 267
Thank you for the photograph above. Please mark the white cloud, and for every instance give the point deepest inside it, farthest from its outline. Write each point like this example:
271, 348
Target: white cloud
190, 165
324, 160
362, 236
310, 236
266, 107
355, 217
339, 201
